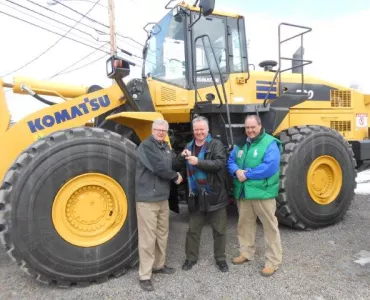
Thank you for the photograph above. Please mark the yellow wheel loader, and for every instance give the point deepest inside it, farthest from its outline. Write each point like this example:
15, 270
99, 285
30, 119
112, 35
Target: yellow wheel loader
67, 207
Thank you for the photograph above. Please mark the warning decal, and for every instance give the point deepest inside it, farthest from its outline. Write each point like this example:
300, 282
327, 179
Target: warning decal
361, 121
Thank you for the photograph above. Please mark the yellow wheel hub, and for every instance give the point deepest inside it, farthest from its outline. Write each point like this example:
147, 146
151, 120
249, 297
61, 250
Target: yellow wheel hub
89, 209
324, 179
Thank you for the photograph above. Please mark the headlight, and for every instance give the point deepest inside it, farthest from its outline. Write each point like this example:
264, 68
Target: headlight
110, 69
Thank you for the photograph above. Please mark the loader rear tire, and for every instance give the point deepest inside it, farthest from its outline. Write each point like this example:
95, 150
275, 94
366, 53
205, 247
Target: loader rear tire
27, 211
318, 177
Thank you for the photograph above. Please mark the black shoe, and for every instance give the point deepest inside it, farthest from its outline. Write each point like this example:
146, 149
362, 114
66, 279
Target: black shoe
188, 265
222, 265
146, 285
165, 270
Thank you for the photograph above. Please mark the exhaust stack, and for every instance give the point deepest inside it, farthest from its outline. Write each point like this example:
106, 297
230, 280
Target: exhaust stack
298, 61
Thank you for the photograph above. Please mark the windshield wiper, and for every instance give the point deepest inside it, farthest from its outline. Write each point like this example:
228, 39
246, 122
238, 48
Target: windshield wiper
145, 49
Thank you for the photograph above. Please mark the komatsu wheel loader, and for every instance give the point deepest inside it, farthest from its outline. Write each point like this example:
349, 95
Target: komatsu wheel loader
67, 207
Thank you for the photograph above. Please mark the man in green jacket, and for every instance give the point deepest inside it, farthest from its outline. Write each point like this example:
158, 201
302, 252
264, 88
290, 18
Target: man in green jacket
255, 168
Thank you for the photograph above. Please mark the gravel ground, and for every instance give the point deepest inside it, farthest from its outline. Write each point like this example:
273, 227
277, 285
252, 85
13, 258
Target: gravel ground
318, 265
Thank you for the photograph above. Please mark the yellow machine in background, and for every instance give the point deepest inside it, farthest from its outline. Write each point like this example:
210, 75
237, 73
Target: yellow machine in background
67, 207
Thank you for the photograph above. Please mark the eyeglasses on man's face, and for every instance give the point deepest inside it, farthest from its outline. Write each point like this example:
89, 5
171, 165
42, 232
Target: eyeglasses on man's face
160, 130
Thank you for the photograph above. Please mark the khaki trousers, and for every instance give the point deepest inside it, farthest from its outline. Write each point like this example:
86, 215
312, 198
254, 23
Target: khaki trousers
152, 218
249, 210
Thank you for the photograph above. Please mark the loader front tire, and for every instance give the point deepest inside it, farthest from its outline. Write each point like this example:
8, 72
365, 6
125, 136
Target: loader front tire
318, 177
68, 210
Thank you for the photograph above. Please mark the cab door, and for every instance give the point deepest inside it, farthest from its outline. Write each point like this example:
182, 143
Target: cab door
209, 57
238, 62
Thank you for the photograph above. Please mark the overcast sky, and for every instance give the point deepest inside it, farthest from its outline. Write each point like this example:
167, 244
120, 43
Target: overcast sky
338, 45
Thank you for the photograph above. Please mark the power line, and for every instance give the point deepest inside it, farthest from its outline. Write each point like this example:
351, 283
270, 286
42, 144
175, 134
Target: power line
85, 65
36, 12
76, 62
57, 1
128, 53
67, 17
133, 46
131, 39
79, 13
89, 26
136, 47
33, 24
97, 22
70, 71
62, 36
69, 26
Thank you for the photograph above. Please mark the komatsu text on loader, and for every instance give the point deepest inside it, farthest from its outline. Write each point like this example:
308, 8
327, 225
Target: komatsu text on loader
67, 207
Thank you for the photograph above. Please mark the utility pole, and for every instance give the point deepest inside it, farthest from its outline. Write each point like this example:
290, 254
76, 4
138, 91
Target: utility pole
113, 45
112, 29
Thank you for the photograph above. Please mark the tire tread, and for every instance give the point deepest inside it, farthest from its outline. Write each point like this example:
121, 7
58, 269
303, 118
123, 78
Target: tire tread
10, 179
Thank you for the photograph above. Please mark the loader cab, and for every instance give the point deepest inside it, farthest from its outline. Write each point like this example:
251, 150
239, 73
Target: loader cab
218, 44
185, 47
164, 51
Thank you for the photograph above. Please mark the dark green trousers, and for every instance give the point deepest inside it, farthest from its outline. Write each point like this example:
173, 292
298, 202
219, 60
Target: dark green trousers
218, 221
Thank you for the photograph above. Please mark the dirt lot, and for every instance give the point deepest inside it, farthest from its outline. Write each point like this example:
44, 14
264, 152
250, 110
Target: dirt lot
330, 263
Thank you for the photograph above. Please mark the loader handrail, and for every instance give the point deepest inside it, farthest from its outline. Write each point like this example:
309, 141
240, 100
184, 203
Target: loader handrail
304, 61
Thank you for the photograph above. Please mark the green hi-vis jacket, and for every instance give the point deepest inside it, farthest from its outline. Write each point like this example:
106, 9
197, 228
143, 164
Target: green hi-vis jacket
250, 156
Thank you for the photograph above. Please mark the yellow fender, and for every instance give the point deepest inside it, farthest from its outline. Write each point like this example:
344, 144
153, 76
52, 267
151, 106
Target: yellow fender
68, 114
140, 122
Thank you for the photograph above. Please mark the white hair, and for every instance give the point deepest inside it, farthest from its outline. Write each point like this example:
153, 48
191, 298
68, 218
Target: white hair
201, 119
160, 122
257, 118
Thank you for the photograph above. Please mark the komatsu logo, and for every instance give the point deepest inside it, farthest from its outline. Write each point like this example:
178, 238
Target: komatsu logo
207, 80
68, 114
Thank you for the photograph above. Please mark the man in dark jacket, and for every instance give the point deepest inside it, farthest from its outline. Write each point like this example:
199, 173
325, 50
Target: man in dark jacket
205, 159
154, 174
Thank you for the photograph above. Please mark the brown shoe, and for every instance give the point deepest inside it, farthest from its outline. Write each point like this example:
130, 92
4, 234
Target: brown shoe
267, 271
239, 260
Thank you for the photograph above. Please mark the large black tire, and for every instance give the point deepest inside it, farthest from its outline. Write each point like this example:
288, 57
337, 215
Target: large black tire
301, 146
26, 199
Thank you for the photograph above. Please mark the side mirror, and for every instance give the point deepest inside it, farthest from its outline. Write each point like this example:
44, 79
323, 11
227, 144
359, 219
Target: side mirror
117, 67
207, 6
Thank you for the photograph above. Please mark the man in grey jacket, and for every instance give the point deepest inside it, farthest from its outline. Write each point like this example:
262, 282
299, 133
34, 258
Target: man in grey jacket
154, 174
